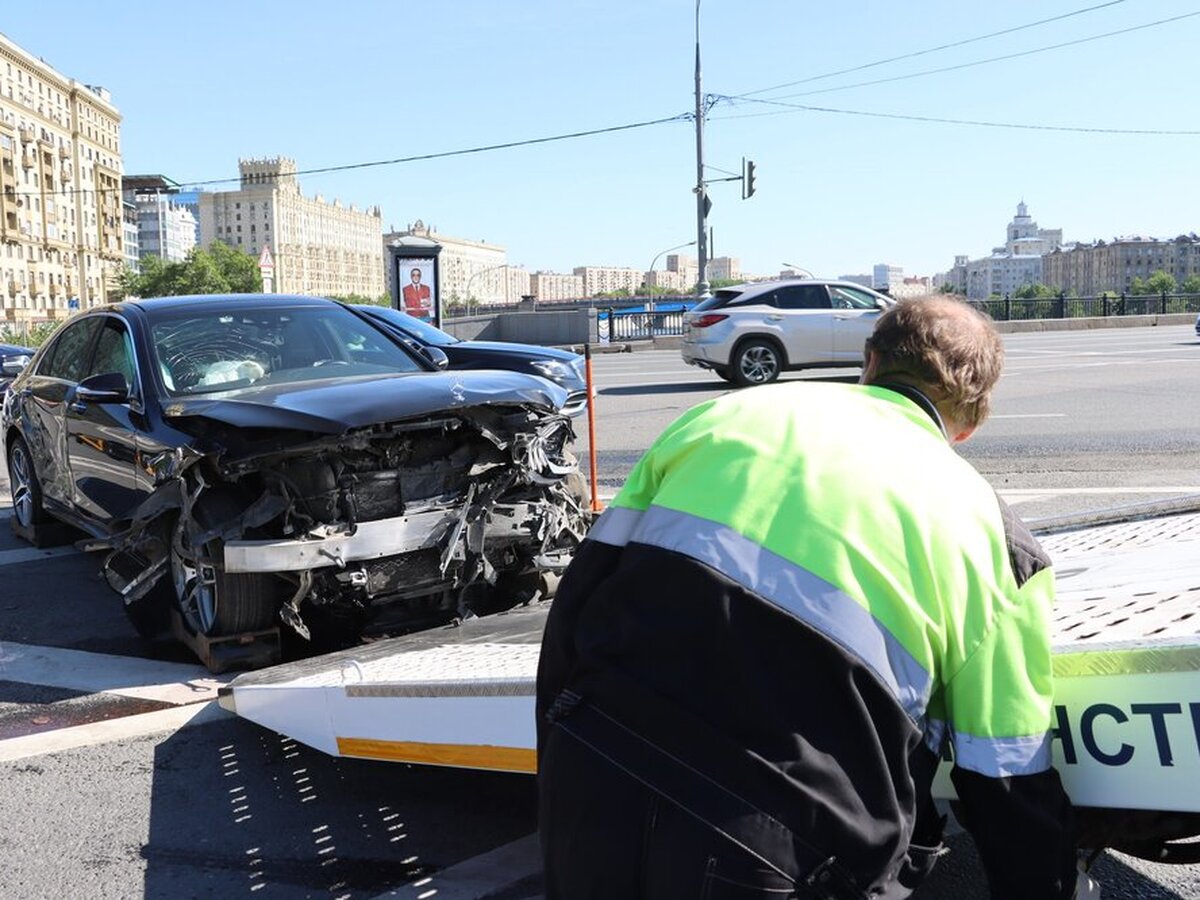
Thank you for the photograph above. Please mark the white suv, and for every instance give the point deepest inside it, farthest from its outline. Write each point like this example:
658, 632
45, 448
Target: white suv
750, 333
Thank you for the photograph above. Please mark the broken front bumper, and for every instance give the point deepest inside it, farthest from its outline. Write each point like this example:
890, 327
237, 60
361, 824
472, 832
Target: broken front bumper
334, 545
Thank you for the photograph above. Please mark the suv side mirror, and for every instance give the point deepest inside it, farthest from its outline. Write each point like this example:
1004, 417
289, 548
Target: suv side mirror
881, 304
108, 387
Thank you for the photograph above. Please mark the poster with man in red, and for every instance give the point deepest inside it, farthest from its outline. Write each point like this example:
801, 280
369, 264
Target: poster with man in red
418, 295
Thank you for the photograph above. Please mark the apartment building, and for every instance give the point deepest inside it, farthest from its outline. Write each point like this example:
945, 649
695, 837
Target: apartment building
1091, 269
554, 286
320, 248
606, 279
61, 216
1014, 265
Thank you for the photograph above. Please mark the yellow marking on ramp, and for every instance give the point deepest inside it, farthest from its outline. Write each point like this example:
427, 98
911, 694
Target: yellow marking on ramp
464, 756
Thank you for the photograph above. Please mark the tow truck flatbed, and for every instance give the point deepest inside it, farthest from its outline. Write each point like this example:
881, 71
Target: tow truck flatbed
1126, 660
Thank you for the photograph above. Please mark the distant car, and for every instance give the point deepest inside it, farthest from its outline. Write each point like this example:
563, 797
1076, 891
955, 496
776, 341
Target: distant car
1198, 326
13, 358
252, 459
750, 333
562, 367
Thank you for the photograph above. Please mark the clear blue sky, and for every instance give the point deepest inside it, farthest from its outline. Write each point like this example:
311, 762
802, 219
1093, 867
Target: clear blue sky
361, 80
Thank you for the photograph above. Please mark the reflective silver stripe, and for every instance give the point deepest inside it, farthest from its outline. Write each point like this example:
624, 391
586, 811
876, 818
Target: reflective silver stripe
796, 591
1002, 757
935, 735
615, 525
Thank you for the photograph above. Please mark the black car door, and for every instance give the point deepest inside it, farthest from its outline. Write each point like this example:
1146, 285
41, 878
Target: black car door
43, 405
102, 437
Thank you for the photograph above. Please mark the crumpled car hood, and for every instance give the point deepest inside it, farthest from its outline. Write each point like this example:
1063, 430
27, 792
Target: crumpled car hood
335, 405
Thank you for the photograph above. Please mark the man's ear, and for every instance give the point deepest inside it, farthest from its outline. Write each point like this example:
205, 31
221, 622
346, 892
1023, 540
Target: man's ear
870, 367
962, 434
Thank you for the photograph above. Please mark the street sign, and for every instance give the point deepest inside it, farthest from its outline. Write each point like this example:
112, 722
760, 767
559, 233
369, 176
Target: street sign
73, 303
265, 261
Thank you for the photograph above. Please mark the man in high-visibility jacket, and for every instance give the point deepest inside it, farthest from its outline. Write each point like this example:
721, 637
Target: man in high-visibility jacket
800, 596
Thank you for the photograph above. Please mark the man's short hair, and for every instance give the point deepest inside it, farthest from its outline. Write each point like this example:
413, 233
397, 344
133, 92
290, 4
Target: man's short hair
414, 272
945, 347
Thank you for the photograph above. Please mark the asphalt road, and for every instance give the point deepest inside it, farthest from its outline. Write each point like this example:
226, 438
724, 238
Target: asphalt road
109, 794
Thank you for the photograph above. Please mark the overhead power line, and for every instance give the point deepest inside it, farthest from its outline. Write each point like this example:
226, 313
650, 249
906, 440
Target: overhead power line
982, 62
928, 50
320, 170
941, 120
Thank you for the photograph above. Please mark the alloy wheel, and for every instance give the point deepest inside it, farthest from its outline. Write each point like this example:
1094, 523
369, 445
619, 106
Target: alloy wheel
21, 479
759, 364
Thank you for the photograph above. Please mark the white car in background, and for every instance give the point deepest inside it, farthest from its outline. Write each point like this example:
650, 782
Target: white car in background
750, 333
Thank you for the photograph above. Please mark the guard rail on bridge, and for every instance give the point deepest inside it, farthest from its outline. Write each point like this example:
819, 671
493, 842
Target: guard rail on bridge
1007, 309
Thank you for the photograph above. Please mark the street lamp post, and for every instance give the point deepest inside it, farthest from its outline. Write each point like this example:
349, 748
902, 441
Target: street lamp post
650, 272
799, 269
474, 275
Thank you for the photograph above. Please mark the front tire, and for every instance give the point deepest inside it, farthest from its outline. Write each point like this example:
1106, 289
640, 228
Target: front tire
756, 362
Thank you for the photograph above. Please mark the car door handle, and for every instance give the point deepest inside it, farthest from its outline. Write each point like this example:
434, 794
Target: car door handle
77, 406
773, 318
844, 316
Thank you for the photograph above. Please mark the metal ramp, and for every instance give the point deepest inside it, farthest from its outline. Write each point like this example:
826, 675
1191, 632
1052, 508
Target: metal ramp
1127, 667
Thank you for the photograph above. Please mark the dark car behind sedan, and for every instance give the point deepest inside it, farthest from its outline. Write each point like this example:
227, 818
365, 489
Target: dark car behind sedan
562, 367
257, 460
13, 358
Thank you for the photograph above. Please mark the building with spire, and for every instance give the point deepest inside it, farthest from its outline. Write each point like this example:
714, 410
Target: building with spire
1015, 264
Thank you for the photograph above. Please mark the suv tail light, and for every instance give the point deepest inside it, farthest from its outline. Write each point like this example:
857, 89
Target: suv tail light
708, 319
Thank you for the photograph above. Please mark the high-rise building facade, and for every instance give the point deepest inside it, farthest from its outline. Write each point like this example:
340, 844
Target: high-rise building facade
1017, 264
606, 279
1091, 269
166, 229
555, 286
885, 277
320, 248
61, 216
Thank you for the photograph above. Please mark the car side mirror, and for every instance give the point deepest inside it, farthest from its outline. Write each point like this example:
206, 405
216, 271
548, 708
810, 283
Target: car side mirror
436, 356
14, 364
107, 387
881, 304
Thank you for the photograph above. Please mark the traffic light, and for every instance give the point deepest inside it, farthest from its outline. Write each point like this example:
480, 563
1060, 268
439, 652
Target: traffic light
747, 179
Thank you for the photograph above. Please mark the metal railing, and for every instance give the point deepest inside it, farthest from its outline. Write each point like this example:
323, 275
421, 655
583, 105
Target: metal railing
1007, 309
638, 324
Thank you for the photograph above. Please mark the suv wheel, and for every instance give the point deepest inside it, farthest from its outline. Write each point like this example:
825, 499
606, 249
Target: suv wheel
756, 362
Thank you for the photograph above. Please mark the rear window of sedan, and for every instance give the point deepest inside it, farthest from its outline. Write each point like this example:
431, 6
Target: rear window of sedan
717, 300
200, 352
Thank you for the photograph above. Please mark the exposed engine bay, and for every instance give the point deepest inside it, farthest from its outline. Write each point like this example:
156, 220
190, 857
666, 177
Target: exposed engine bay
383, 529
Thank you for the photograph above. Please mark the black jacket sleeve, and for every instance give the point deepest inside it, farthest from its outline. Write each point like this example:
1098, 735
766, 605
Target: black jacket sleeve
593, 563
1023, 826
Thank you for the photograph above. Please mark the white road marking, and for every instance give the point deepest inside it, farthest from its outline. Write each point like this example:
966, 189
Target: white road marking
480, 876
164, 720
1084, 491
31, 554
91, 673
1027, 416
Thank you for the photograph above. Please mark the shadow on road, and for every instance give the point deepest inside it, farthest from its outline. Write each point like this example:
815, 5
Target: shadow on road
240, 811
699, 387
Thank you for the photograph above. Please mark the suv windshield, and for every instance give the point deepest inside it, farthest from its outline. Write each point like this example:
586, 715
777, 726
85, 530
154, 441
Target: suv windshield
200, 352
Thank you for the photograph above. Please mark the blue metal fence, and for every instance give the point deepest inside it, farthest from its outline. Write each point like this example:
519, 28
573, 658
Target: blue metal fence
639, 323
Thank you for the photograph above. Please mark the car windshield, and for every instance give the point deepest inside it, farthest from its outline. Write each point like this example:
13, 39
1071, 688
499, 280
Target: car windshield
201, 352
422, 331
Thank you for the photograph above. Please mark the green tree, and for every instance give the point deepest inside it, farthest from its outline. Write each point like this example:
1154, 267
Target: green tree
1161, 283
1137, 286
1191, 285
1034, 292
219, 270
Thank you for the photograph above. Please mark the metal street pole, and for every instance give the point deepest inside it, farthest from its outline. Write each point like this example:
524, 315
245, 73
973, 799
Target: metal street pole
701, 194
650, 272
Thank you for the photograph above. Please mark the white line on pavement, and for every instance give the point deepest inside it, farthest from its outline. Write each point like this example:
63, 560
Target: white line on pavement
1130, 489
1027, 416
30, 554
127, 676
109, 731
485, 875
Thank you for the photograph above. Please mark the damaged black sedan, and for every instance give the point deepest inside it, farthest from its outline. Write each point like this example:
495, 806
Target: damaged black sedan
260, 459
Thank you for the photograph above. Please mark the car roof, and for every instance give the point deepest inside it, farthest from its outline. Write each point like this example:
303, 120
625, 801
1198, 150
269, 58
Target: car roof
757, 286
225, 301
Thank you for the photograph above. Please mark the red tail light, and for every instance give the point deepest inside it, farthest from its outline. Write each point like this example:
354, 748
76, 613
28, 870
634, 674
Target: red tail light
708, 319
